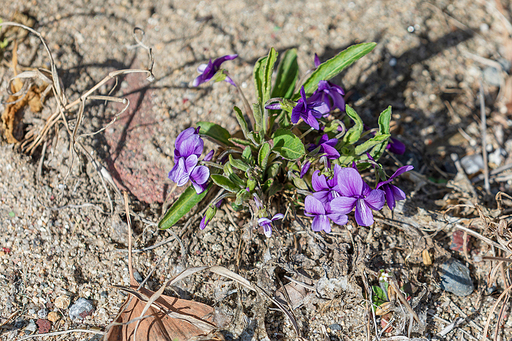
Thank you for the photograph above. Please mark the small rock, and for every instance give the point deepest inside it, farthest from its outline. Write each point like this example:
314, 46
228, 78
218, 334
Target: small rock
53, 316
472, 163
19, 323
492, 76
497, 157
62, 302
44, 326
81, 309
458, 241
43, 313
455, 278
31, 328
335, 326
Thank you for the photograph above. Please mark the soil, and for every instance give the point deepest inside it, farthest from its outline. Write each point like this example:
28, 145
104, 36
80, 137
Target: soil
63, 238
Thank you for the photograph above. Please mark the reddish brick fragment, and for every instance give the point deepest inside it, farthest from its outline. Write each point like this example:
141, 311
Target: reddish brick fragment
44, 326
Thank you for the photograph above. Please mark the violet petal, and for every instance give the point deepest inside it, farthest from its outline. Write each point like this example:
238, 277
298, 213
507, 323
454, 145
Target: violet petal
350, 183
363, 214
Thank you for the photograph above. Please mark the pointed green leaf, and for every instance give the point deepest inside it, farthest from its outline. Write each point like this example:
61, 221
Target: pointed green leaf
247, 156
263, 154
364, 147
228, 170
182, 206
258, 116
300, 183
224, 182
259, 74
216, 132
240, 142
384, 121
379, 297
354, 133
267, 80
239, 164
237, 181
288, 145
335, 65
241, 121
287, 74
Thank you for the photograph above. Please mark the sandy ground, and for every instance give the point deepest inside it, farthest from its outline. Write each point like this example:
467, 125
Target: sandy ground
63, 241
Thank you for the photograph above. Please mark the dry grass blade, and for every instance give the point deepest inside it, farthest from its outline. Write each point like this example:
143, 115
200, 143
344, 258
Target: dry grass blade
159, 317
491, 313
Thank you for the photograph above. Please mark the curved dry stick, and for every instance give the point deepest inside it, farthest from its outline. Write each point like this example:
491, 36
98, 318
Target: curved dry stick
486, 328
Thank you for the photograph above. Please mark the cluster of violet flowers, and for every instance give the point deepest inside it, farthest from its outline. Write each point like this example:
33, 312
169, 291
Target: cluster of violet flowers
336, 190
189, 147
335, 197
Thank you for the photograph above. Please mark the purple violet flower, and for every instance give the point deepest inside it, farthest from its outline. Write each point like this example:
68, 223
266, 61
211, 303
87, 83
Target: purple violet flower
327, 97
188, 142
304, 169
317, 61
207, 71
396, 146
322, 213
306, 111
393, 193
189, 146
325, 189
356, 193
267, 224
327, 146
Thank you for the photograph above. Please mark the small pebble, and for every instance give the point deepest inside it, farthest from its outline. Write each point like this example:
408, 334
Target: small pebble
31, 328
44, 326
53, 316
20, 323
492, 76
81, 309
43, 313
458, 241
335, 326
472, 163
62, 302
455, 278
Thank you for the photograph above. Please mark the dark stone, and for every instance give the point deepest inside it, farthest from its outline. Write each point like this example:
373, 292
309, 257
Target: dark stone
455, 278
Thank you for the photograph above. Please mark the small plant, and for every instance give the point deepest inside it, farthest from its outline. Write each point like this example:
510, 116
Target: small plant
298, 139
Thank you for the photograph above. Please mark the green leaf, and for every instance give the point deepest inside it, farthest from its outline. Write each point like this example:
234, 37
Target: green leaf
237, 181
259, 75
364, 147
267, 80
300, 183
228, 170
335, 65
354, 133
258, 116
182, 206
239, 164
242, 122
379, 149
288, 145
224, 182
216, 132
273, 170
263, 154
287, 75
247, 156
240, 142
384, 121
384, 130
379, 297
